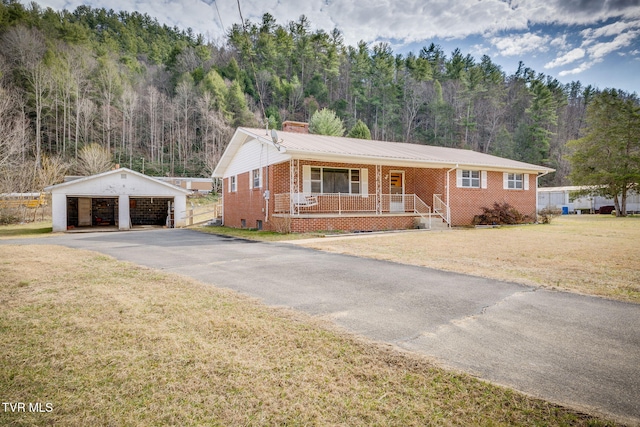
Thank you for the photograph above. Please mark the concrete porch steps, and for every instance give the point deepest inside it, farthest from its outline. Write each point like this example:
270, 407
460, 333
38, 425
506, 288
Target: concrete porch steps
437, 223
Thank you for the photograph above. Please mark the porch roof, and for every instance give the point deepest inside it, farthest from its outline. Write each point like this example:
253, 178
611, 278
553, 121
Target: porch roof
352, 150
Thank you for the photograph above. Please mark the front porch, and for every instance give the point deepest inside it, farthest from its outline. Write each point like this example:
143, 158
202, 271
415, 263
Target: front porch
356, 212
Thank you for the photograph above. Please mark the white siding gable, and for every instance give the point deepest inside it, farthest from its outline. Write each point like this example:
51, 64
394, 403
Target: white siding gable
120, 182
253, 155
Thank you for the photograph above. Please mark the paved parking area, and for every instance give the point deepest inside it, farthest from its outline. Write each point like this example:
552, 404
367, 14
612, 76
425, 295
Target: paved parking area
570, 349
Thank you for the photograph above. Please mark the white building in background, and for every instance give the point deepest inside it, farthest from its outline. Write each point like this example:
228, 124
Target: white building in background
562, 198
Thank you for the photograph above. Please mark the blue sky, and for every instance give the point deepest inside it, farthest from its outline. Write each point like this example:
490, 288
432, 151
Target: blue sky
594, 41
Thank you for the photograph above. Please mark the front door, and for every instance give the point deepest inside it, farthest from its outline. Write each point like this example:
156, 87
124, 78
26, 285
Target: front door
396, 191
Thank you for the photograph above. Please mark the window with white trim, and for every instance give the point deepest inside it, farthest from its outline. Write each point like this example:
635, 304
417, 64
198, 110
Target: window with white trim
335, 180
515, 181
470, 179
355, 181
316, 180
232, 184
255, 178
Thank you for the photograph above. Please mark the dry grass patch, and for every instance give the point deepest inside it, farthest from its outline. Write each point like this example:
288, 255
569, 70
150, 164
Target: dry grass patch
596, 255
110, 343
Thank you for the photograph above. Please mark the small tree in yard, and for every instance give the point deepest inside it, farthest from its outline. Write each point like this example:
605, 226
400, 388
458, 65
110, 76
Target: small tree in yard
360, 130
325, 122
607, 158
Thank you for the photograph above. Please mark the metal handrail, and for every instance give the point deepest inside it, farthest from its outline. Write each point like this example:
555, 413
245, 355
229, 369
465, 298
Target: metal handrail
441, 208
422, 209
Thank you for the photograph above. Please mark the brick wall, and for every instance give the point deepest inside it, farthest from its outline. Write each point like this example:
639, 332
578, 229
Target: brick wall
295, 127
468, 202
369, 223
245, 203
419, 181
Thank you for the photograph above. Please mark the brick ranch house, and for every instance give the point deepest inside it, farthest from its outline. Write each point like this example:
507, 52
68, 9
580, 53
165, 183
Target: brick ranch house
303, 182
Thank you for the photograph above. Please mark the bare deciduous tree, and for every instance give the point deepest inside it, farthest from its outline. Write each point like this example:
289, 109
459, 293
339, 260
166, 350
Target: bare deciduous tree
93, 159
13, 131
129, 104
85, 117
109, 86
25, 47
53, 170
80, 64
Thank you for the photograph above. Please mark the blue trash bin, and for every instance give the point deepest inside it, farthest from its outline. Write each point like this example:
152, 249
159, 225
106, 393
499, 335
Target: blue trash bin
565, 210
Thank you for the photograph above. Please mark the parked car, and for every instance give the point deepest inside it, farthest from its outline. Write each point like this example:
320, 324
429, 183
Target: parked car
606, 210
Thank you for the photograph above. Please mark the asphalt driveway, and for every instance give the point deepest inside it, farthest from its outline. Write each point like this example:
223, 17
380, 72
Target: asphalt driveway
575, 350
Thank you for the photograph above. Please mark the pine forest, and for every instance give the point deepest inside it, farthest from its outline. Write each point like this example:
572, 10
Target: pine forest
161, 100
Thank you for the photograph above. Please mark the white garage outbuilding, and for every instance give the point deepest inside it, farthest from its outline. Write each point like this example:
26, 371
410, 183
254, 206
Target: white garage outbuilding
121, 197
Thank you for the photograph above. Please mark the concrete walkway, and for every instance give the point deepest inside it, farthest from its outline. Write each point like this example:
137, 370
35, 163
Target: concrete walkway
575, 350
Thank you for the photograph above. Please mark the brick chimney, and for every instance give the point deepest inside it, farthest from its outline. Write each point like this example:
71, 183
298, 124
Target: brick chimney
295, 127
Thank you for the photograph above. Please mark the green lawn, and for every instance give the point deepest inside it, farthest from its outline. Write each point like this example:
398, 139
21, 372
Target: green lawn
252, 234
36, 229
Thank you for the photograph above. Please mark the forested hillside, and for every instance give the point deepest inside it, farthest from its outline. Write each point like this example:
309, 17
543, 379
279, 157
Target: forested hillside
163, 99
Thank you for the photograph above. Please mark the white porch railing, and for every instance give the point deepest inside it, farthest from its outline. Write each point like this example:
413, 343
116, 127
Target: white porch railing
339, 204
441, 208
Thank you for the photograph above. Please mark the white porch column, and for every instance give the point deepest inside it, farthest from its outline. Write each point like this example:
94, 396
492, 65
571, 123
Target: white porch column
59, 211
179, 211
123, 212
379, 189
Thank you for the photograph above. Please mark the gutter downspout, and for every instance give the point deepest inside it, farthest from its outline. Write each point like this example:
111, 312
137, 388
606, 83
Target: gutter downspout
448, 201
537, 201
221, 201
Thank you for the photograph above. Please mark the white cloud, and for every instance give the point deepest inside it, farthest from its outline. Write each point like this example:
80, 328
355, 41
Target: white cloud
478, 50
406, 20
579, 69
560, 42
520, 44
611, 29
595, 50
577, 12
599, 50
567, 58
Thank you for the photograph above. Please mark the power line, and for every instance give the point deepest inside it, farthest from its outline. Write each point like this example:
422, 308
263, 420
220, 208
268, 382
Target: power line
215, 3
241, 18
